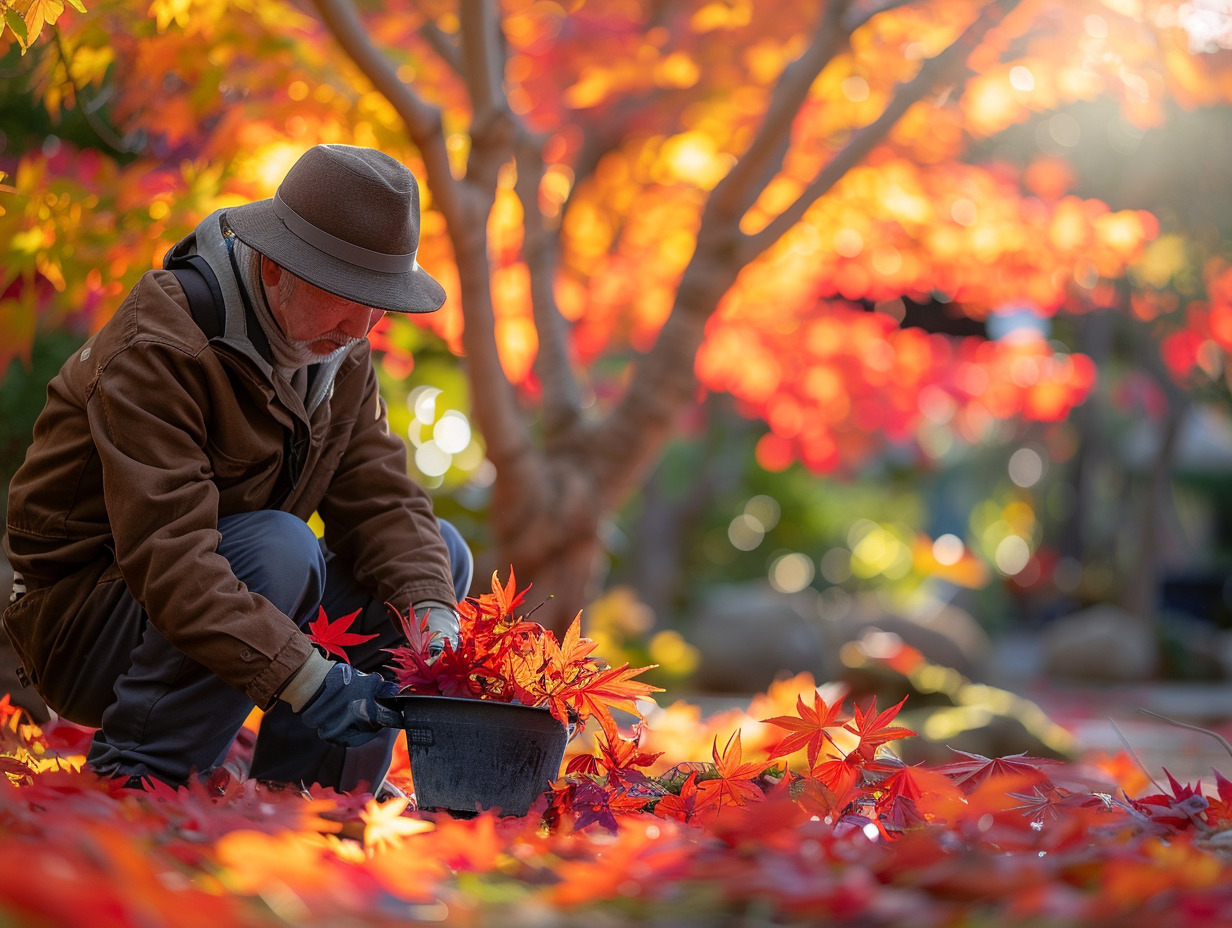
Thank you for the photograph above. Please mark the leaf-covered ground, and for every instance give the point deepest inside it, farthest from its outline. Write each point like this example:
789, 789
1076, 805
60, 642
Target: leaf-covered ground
791, 811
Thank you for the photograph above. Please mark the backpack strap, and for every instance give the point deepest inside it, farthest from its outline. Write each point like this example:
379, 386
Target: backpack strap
205, 298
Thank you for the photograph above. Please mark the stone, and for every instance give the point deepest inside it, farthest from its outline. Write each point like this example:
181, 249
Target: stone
747, 635
944, 633
1102, 642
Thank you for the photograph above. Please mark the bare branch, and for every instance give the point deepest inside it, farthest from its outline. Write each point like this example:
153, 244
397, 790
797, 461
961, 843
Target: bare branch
422, 120
483, 58
947, 65
443, 44
127, 144
736, 192
561, 404
1198, 728
861, 11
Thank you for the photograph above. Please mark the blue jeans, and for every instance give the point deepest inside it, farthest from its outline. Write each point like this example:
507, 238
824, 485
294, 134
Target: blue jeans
172, 717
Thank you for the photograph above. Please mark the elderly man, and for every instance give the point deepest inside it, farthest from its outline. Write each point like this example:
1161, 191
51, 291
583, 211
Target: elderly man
165, 570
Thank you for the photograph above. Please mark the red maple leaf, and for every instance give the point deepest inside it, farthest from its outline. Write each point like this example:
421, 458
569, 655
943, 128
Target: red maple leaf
807, 728
840, 777
1219, 812
915, 783
969, 774
875, 730
334, 636
1041, 804
1179, 808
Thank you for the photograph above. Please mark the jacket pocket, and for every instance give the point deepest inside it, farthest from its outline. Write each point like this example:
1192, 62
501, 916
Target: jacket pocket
228, 467
60, 633
21, 624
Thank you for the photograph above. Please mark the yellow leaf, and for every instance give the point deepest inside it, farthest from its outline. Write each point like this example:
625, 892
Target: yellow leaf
385, 826
40, 12
89, 65
166, 12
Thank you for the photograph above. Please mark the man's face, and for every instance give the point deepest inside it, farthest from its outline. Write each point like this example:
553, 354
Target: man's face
311, 316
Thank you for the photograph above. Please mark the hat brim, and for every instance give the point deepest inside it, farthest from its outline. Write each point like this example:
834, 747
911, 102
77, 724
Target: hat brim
256, 225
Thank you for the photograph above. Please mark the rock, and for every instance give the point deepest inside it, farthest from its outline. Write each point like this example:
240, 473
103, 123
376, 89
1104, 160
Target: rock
1103, 642
942, 632
977, 730
749, 634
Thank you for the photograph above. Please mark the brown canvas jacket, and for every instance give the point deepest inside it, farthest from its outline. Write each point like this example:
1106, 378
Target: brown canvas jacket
149, 436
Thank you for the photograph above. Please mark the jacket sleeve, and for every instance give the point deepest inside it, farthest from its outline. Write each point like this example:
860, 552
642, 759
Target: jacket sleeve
148, 413
379, 520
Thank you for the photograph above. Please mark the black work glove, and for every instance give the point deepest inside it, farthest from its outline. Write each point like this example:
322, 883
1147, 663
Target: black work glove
345, 709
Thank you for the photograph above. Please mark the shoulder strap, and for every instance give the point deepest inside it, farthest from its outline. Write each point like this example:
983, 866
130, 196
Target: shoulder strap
201, 287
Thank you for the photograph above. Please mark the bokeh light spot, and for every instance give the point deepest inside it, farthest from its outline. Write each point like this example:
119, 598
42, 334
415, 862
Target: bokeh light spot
745, 532
1026, 467
1012, 555
948, 549
792, 572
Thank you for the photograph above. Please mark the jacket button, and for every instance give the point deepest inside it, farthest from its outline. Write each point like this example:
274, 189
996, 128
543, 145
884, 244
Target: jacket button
246, 654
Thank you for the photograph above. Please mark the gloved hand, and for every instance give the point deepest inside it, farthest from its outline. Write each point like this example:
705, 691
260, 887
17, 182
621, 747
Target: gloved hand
345, 710
443, 624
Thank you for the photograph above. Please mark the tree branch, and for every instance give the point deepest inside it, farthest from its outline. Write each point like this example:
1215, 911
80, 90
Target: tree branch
483, 69
444, 46
663, 381
861, 11
561, 403
736, 192
465, 208
422, 120
948, 64
483, 58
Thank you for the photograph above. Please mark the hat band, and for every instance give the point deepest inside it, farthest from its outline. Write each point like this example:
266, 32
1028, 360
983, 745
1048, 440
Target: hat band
340, 248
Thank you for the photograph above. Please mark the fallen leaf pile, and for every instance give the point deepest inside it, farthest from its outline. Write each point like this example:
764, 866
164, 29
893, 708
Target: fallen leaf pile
794, 811
789, 812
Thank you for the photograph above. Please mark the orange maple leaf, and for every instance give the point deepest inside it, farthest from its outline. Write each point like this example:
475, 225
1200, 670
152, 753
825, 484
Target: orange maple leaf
612, 688
334, 636
679, 807
733, 785
576, 649
839, 777
619, 754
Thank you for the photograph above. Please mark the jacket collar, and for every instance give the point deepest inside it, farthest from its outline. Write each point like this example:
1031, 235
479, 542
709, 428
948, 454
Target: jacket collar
212, 240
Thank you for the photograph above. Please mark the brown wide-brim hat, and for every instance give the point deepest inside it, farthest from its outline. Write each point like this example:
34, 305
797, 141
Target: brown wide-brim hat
345, 219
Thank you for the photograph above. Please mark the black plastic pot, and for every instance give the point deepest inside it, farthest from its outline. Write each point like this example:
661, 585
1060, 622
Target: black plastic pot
471, 755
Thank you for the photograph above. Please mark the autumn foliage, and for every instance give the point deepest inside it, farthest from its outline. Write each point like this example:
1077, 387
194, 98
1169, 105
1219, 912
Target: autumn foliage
795, 809
632, 203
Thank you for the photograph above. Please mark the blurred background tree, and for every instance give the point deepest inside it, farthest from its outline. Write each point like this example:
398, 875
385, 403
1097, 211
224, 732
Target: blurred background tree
847, 295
